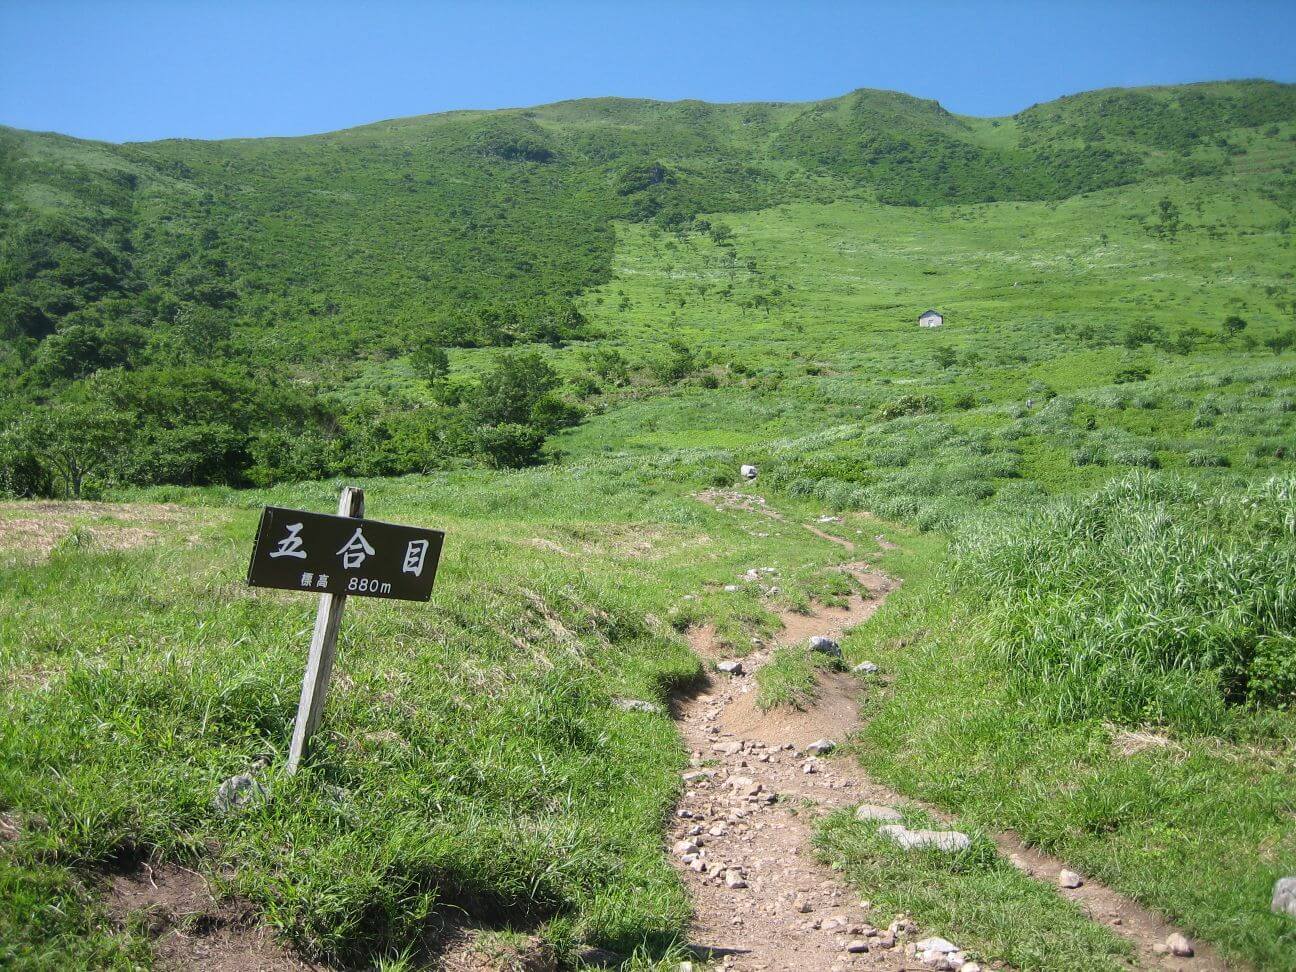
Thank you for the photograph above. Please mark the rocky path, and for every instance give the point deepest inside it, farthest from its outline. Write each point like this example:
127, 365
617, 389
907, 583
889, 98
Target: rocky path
753, 795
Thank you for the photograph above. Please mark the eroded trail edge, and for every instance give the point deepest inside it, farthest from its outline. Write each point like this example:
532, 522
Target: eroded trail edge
754, 794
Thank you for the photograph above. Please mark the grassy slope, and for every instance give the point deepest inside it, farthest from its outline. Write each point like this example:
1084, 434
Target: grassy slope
348, 242
1019, 283
526, 751
1196, 822
470, 756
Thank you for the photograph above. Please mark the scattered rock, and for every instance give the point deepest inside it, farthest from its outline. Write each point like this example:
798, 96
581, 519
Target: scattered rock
944, 840
1069, 879
821, 746
685, 847
734, 667
970, 967
734, 880
857, 947
238, 792
935, 944
697, 776
1179, 946
732, 588
866, 668
1284, 897
638, 705
825, 645
873, 811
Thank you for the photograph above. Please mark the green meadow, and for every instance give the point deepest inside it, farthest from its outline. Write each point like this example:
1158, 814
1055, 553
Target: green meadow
1088, 471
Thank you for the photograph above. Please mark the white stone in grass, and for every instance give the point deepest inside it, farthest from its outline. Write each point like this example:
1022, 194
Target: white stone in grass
1069, 879
638, 705
1179, 946
821, 746
866, 668
1284, 897
238, 792
732, 588
734, 667
873, 811
942, 840
747, 471
970, 967
936, 944
826, 645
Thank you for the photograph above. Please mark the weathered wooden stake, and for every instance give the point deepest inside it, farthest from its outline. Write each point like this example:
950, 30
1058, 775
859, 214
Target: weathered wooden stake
323, 649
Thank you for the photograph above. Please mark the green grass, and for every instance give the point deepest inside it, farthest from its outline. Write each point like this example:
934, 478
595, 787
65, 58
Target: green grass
791, 677
974, 897
470, 756
1194, 824
1102, 664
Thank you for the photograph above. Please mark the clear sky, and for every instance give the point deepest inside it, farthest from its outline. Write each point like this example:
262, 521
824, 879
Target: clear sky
140, 69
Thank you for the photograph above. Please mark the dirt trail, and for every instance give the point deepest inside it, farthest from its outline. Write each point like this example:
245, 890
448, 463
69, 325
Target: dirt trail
750, 808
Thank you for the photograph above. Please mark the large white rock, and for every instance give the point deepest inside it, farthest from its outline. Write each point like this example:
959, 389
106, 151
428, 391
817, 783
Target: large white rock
1069, 879
826, 645
1284, 896
748, 472
943, 840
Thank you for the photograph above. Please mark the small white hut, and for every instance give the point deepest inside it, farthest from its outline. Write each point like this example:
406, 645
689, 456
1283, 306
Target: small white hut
931, 318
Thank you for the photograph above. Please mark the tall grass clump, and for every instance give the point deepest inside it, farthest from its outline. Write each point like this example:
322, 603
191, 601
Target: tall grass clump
1155, 600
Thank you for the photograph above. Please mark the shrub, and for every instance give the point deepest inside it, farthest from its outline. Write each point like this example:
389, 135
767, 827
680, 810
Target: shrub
907, 405
1207, 460
1144, 458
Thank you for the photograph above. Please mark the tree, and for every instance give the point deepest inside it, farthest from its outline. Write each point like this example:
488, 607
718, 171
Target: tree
1233, 326
1167, 218
1186, 341
510, 445
1278, 343
510, 390
679, 364
74, 439
430, 361
945, 357
1143, 332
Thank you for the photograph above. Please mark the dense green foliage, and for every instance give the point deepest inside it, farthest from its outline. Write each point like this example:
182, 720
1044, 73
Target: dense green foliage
267, 274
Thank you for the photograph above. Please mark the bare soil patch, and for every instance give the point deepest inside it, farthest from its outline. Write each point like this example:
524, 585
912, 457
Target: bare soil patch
36, 528
190, 929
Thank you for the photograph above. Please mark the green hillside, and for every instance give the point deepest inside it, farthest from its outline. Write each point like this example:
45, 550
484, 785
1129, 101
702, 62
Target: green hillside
549, 330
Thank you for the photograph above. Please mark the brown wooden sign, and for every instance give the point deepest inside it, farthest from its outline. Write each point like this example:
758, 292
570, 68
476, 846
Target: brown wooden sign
334, 556
321, 554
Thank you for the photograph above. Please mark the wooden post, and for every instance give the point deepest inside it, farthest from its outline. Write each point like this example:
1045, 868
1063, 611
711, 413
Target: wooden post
323, 649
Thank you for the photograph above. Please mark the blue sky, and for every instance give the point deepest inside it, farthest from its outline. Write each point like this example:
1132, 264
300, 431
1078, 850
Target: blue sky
192, 68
